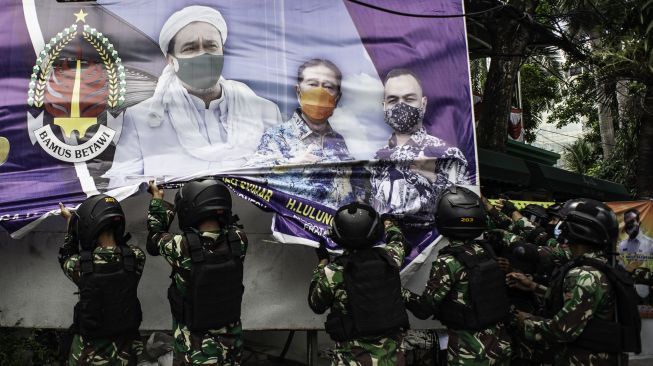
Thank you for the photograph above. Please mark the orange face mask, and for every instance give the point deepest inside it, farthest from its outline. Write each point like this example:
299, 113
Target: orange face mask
317, 104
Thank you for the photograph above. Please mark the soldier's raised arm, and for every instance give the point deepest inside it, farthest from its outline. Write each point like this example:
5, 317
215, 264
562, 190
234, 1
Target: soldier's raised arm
69, 251
396, 244
159, 217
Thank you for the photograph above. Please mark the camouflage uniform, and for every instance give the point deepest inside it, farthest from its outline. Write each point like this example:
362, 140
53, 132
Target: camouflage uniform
490, 346
106, 352
328, 291
552, 252
551, 256
499, 220
214, 347
587, 294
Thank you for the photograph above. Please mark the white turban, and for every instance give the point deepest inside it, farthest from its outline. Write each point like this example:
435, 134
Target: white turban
188, 15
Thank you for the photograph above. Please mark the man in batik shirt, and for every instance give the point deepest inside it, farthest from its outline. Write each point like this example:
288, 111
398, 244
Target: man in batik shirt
414, 167
308, 139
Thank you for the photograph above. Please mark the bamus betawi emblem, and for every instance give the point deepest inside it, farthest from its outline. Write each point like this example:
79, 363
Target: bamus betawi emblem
76, 89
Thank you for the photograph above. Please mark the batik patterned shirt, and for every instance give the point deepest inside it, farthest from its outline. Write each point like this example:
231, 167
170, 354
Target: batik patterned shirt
290, 141
400, 188
284, 147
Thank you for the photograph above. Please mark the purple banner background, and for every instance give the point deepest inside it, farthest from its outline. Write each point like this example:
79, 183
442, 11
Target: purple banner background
435, 49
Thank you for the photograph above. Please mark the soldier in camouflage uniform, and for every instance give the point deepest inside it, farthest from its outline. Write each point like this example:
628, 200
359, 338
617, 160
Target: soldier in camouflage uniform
585, 292
327, 291
551, 255
449, 283
119, 351
221, 346
490, 346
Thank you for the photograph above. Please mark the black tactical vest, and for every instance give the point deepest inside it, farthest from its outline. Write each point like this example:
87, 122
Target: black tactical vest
489, 302
601, 335
375, 306
108, 305
214, 286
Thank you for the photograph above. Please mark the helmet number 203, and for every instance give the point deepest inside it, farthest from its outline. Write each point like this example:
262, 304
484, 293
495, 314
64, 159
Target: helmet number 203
466, 219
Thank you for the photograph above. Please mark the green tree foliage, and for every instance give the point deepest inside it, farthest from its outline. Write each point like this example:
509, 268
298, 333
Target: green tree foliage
622, 167
618, 33
577, 102
540, 91
24, 347
578, 156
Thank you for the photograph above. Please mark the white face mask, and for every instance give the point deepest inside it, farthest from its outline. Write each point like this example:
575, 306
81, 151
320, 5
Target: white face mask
557, 231
642, 290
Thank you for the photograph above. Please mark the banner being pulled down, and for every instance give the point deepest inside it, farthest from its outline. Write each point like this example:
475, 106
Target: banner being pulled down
300, 106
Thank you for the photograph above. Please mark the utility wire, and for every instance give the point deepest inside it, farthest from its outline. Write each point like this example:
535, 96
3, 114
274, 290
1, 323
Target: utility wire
562, 134
558, 133
555, 142
396, 12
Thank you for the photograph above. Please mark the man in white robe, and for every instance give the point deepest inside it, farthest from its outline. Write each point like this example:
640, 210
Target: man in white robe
196, 121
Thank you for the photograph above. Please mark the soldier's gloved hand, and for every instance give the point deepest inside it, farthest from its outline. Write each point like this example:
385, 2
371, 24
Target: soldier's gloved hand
322, 252
508, 207
537, 236
494, 237
415, 306
66, 252
152, 245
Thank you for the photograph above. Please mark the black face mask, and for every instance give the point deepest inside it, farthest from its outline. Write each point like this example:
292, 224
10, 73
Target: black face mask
632, 228
200, 72
403, 118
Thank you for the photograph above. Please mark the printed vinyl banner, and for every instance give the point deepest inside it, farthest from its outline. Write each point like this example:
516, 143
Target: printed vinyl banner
300, 106
635, 247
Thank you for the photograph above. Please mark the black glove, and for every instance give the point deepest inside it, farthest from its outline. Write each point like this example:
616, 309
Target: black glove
322, 252
415, 306
537, 236
72, 227
388, 216
66, 252
500, 221
152, 245
508, 208
494, 238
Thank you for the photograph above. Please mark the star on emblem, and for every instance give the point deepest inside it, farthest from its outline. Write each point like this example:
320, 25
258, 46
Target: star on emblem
81, 16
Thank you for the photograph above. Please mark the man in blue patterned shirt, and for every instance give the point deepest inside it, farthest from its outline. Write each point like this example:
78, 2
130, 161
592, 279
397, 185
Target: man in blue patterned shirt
308, 139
